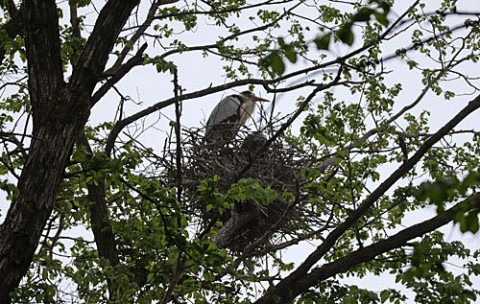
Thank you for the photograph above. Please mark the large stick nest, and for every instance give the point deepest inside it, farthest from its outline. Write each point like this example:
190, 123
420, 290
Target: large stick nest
277, 164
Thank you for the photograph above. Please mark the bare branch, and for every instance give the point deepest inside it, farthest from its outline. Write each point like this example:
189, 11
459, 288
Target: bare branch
118, 74
138, 34
91, 63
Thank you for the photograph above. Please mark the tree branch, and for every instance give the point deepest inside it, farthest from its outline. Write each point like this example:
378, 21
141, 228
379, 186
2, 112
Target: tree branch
140, 31
42, 44
233, 36
99, 218
362, 255
60, 113
91, 63
160, 105
350, 221
117, 74
265, 83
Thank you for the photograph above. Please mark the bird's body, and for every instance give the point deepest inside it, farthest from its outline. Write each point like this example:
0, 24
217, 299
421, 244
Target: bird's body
252, 144
229, 115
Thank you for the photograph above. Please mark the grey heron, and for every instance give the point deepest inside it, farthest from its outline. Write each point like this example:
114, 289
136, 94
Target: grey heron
229, 115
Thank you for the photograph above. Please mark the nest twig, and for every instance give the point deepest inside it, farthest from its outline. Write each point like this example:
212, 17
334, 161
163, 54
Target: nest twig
277, 166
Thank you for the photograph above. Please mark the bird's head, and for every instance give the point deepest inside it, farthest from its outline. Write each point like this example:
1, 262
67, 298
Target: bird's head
250, 96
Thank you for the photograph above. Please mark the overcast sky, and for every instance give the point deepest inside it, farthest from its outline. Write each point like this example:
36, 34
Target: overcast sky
145, 86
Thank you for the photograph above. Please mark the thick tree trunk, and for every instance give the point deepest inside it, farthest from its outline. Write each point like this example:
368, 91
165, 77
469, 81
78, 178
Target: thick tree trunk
54, 127
41, 176
60, 112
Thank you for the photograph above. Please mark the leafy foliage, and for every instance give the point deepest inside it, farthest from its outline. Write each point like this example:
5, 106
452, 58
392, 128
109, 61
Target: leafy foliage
368, 152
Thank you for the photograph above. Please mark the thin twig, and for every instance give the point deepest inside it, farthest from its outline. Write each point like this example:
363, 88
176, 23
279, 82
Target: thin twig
178, 135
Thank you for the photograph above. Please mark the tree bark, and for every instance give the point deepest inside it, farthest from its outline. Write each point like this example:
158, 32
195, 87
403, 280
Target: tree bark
39, 181
60, 111
232, 227
49, 150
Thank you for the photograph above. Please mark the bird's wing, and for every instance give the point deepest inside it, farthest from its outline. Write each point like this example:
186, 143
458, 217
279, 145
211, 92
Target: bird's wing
226, 111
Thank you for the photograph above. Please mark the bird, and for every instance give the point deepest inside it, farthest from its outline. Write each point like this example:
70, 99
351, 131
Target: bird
252, 144
229, 115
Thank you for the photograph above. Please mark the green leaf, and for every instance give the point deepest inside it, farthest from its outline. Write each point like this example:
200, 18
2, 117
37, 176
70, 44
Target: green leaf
381, 18
291, 54
462, 221
323, 42
472, 222
385, 6
384, 294
275, 62
288, 197
270, 195
345, 34
363, 15
471, 295
79, 156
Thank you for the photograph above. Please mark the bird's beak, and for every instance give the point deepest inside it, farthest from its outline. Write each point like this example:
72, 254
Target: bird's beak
260, 99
